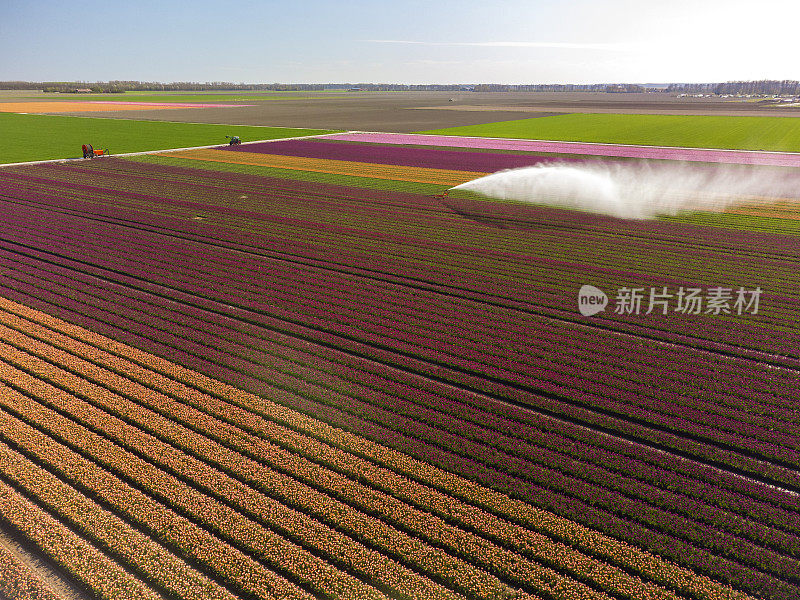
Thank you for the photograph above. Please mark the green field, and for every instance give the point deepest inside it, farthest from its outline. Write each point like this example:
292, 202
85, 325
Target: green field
695, 131
42, 137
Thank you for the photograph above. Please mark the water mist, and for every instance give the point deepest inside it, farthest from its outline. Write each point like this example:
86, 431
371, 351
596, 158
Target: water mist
637, 190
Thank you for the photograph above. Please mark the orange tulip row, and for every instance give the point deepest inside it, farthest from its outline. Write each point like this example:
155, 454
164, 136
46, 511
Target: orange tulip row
102, 576
508, 564
19, 582
229, 564
235, 559
340, 548
455, 572
526, 541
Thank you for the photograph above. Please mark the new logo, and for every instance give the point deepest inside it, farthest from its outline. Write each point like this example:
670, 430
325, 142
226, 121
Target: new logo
591, 300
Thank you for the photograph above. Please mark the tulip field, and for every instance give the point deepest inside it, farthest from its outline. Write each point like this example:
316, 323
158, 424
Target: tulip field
221, 385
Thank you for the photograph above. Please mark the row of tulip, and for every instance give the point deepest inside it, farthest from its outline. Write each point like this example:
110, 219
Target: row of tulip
126, 547
601, 519
362, 336
697, 417
18, 581
242, 408
292, 524
656, 152
530, 340
562, 301
324, 507
160, 502
461, 160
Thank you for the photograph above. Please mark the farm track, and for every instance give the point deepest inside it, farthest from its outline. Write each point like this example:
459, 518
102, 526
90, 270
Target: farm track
375, 350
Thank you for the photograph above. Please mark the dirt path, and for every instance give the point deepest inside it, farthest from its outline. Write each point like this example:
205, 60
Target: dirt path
53, 575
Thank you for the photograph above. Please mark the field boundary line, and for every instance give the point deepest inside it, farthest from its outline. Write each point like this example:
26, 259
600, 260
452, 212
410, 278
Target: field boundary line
58, 160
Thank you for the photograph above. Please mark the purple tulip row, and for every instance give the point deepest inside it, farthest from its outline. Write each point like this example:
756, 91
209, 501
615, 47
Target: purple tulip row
787, 159
428, 451
439, 352
508, 452
458, 160
561, 298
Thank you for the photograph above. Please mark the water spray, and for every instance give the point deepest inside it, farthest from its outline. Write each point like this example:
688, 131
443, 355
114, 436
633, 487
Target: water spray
637, 190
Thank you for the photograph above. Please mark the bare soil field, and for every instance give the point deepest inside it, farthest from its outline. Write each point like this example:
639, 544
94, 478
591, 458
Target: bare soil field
415, 111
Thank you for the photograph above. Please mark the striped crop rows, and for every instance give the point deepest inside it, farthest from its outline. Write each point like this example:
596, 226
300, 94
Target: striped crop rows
411, 413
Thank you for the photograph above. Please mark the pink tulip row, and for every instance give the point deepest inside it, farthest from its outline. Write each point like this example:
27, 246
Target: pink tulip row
358, 323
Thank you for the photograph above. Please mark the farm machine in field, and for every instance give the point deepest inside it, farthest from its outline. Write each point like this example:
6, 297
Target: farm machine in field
234, 140
90, 152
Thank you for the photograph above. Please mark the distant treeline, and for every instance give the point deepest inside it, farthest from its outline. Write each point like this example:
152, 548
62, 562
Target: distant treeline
184, 86
787, 87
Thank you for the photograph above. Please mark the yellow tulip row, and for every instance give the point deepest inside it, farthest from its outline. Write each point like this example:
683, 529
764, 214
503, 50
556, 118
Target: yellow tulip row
336, 167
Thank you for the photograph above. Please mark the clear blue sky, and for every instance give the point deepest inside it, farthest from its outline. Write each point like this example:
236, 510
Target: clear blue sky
404, 41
